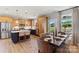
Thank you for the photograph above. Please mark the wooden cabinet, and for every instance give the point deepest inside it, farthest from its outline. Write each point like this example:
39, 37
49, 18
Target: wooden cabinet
42, 24
18, 22
28, 22
5, 19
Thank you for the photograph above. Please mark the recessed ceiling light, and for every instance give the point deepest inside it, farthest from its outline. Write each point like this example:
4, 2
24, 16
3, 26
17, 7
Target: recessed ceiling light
17, 10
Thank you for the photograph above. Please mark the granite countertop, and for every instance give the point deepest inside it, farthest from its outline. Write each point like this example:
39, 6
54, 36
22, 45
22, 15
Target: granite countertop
15, 31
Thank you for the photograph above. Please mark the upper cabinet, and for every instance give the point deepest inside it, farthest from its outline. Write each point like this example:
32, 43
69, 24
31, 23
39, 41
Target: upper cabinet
5, 19
42, 24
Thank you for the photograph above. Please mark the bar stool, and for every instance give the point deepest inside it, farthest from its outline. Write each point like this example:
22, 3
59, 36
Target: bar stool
21, 36
27, 35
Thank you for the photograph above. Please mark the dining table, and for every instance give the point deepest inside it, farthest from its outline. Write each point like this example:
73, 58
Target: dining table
57, 41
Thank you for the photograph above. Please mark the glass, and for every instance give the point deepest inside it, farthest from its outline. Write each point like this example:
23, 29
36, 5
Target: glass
66, 24
51, 25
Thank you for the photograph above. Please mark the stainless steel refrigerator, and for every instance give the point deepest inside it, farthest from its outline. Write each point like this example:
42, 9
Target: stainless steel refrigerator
5, 30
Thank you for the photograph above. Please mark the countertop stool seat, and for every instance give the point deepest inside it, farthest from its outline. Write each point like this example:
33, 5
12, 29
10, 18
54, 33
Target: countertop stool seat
21, 36
27, 35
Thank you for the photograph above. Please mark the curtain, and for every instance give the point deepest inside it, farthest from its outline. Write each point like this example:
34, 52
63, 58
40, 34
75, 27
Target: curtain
76, 26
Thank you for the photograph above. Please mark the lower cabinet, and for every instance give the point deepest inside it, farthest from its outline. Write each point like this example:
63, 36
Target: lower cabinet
15, 37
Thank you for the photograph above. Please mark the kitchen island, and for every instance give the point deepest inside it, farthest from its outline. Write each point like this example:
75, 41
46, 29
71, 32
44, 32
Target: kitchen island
17, 35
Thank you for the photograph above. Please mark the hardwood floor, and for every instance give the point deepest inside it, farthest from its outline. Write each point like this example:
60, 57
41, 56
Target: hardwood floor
69, 47
30, 46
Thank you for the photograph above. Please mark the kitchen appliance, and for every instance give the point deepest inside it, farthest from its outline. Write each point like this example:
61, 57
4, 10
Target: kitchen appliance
5, 30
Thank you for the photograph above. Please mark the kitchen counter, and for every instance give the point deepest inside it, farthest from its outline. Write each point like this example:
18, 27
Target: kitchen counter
14, 31
19, 35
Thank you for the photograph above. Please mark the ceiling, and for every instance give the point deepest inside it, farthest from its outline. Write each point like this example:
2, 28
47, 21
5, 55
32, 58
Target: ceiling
25, 12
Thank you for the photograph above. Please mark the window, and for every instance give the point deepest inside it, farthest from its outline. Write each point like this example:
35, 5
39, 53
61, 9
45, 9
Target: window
51, 25
66, 24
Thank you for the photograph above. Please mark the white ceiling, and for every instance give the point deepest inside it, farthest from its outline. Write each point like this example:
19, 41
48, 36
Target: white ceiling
29, 11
